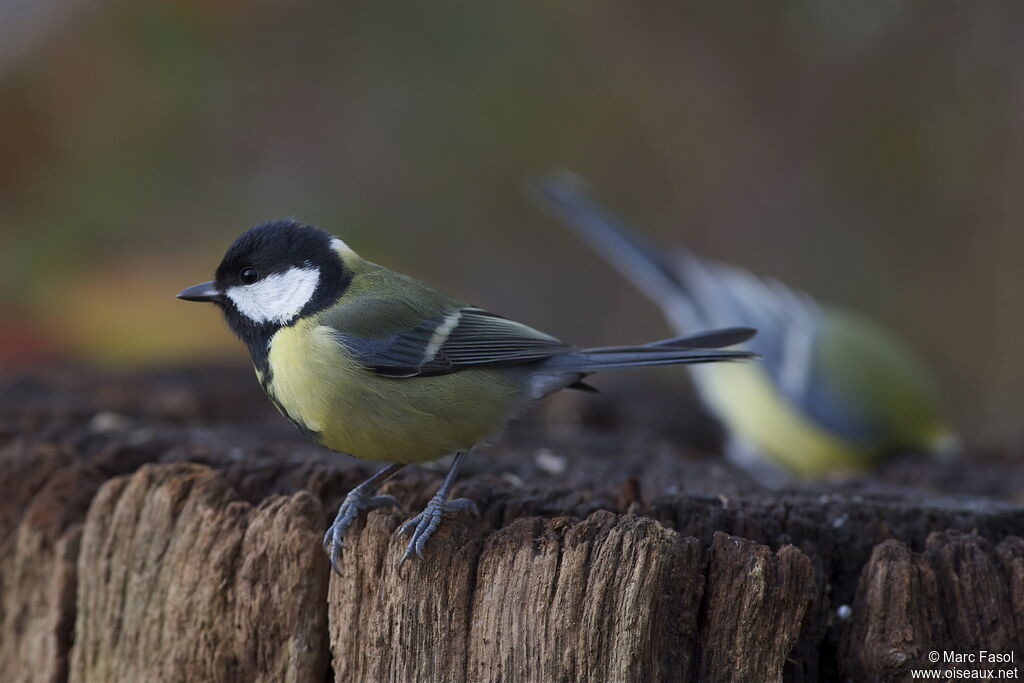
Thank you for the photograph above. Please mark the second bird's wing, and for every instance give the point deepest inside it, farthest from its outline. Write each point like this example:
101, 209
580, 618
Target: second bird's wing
698, 294
459, 339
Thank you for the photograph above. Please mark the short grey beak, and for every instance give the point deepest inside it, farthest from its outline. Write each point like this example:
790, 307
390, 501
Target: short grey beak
205, 291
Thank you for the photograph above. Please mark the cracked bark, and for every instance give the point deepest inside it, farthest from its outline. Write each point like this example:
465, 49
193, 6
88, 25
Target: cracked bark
165, 528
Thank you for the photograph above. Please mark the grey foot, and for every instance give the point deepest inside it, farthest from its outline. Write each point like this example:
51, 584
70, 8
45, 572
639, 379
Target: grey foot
424, 524
355, 502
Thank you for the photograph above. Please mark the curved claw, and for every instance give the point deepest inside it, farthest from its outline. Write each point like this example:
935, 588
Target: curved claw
425, 523
354, 503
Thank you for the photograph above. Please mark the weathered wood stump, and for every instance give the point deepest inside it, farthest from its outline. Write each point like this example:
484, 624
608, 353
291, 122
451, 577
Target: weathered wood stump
167, 527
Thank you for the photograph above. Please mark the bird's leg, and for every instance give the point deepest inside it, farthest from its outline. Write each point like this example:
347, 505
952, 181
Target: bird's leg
424, 524
357, 500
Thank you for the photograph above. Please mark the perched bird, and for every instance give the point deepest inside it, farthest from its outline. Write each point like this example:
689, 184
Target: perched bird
835, 391
370, 362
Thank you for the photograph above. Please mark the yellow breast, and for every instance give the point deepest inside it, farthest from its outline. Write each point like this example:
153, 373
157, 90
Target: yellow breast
746, 400
322, 388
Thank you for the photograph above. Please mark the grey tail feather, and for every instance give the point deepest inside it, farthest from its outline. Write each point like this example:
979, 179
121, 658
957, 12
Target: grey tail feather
711, 339
592, 360
641, 262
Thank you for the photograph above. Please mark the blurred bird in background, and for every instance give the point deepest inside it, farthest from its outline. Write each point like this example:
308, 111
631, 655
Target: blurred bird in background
835, 391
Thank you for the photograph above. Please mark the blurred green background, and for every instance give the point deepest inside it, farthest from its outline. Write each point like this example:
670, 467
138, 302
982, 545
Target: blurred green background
869, 152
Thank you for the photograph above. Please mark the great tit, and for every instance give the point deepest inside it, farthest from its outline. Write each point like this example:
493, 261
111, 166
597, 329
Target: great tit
835, 391
370, 362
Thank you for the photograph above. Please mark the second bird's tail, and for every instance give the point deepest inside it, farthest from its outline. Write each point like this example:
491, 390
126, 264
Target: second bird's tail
661, 275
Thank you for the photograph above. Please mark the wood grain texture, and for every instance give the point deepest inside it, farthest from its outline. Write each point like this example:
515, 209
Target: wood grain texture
961, 594
181, 581
163, 528
754, 611
612, 597
403, 624
40, 530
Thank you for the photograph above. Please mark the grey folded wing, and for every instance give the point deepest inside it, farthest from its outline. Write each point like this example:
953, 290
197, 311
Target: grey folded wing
460, 339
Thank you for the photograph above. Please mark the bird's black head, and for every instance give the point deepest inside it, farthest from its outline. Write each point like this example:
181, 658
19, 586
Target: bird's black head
274, 274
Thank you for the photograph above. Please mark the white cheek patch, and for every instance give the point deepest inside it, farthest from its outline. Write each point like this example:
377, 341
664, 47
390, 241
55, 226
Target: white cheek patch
276, 298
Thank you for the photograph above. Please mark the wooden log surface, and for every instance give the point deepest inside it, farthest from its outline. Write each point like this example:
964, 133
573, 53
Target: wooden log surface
167, 527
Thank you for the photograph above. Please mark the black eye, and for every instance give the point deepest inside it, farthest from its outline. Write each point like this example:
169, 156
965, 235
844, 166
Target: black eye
249, 275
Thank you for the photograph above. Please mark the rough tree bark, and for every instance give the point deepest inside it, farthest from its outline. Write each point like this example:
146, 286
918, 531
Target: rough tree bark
167, 528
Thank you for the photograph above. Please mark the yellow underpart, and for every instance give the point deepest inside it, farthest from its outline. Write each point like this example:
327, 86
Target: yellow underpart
746, 400
404, 420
